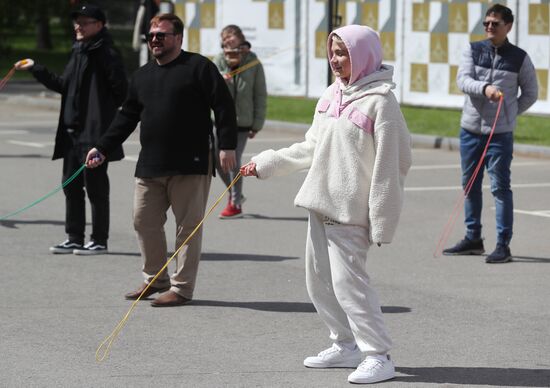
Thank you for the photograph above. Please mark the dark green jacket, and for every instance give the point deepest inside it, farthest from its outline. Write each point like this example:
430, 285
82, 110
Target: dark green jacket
248, 91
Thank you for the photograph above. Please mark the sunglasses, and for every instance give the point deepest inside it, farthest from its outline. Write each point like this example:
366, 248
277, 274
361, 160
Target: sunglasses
159, 35
492, 24
84, 23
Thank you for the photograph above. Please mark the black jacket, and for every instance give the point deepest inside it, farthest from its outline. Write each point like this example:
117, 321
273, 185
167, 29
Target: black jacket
101, 87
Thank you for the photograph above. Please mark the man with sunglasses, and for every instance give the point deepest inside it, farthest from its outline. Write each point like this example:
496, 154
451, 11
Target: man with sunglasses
172, 96
490, 70
93, 85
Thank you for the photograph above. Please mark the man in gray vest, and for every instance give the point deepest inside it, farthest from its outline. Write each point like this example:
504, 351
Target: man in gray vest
492, 69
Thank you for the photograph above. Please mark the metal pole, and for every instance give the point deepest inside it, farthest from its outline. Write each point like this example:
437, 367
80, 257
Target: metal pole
330, 27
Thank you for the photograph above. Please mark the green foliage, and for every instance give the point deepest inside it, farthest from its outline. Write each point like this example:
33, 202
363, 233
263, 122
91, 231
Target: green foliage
432, 121
429, 121
294, 109
22, 45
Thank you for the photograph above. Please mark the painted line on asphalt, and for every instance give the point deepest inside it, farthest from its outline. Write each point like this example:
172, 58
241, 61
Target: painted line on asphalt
274, 139
457, 166
537, 213
28, 144
13, 132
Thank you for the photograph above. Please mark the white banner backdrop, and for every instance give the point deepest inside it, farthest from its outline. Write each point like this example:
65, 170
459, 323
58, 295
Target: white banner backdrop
422, 39
534, 37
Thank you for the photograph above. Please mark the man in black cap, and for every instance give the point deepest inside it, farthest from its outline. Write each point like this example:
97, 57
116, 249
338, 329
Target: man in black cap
93, 85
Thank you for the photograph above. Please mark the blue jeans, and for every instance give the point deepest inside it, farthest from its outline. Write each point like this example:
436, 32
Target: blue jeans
497, 162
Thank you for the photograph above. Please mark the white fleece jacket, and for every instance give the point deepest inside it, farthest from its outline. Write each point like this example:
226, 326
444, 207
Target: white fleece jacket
358, 152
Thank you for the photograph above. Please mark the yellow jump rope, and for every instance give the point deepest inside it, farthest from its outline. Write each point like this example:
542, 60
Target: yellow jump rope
104, 348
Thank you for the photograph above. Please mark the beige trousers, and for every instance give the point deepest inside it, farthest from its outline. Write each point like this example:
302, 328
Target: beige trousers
339, 286
187, 195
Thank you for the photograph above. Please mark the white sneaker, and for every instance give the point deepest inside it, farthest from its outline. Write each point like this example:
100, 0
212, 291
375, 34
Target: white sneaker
335, 357
373, 370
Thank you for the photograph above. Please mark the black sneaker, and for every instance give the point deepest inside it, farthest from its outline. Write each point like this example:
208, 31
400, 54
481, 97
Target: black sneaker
466, 247
92, 248
501, 254
66, 246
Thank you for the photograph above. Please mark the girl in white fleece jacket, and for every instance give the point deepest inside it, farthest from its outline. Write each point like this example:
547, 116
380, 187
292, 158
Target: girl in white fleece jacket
358, 154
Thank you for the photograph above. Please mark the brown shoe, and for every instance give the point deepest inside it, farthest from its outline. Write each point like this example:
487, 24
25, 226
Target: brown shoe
150, 291
169, 299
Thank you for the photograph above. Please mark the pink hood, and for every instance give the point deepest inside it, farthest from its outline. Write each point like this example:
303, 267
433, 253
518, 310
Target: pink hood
364, 47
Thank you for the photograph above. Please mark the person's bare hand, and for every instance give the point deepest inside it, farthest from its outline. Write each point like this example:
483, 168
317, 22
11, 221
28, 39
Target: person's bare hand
492, 93
249, 169
94, 158
252, 134
228, 160
24, 64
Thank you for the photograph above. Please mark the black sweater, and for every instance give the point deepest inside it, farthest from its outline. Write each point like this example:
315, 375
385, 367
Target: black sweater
174, 103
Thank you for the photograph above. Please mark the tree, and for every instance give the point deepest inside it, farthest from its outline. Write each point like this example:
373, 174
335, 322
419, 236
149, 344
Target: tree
18, 14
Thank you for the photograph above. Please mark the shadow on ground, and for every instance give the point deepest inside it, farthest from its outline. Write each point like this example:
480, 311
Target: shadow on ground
494, 377
528, 259
12, 224
261, 217
244, 257
282, 307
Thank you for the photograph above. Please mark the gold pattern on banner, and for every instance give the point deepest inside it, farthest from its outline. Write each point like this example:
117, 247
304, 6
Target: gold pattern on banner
321, 44
458, 17
477, 37
369, 15
388, 45
538, 19
419, 77
342, 13
276, 16
208, 15
179, 10
421, 17
542, 80
438, 47
453, 87
194, 40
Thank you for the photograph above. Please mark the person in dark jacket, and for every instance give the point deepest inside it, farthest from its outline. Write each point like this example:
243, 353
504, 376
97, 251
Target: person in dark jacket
172, 96
93, 85
490, 70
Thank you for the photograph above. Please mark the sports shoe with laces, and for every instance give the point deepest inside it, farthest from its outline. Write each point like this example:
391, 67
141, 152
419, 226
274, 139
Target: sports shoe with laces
92, 248
501, 254
66, 246
373, 370
466, 247
336, 356
231, 211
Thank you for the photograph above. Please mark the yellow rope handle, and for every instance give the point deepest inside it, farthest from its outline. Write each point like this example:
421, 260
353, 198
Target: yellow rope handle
104, 348
254, 63
243, 68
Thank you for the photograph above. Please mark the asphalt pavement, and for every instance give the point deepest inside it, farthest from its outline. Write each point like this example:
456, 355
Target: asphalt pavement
455, 321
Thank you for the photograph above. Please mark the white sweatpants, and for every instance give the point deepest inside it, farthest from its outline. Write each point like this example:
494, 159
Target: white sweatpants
338, 285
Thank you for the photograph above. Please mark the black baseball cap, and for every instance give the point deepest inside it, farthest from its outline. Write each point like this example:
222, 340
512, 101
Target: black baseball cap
89, 10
